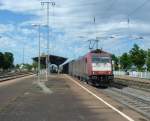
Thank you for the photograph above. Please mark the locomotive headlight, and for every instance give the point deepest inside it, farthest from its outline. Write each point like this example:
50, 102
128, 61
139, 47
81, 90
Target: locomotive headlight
94, 77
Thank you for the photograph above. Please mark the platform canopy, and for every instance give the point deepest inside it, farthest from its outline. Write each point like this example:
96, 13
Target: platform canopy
54, 59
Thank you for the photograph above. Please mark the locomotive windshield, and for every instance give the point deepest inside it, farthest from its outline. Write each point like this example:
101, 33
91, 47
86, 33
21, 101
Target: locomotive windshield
97, 59
101, 63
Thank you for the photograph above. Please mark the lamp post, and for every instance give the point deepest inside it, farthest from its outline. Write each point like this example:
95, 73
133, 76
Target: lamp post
39, 50
23, 54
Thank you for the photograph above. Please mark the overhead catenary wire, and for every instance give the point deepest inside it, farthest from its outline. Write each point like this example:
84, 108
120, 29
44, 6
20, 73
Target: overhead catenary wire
134, 12
110, 7
96, 40
138, 8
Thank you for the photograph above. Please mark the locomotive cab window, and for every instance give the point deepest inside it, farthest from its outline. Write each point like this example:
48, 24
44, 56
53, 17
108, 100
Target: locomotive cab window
97, 59
86, 60
100, 63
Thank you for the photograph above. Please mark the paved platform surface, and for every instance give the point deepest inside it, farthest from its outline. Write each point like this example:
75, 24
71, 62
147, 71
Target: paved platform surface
26, 100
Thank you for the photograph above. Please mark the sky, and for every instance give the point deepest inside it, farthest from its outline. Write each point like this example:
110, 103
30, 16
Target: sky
118, 25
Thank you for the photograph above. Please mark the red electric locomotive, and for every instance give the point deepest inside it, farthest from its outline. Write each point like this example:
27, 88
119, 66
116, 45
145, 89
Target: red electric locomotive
95, 68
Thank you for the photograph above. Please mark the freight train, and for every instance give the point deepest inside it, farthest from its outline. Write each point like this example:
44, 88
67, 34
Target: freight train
95, 68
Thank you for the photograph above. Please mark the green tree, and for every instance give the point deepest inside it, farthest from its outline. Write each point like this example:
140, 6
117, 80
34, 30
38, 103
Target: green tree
1, 60
125, 61
17, 66
35, 65
138, 56
115, 59
148, 59
8, 60
28, 67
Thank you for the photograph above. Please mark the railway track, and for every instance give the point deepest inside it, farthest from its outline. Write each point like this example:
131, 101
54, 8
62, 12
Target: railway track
10, 76
135, 99
134, 84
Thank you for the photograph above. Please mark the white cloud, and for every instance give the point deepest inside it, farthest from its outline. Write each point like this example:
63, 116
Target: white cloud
20, 5
75, 19
6, 28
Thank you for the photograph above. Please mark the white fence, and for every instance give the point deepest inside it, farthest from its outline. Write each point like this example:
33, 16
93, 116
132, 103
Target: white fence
145, 75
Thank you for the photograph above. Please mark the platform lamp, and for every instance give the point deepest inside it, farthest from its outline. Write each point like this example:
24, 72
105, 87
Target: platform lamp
38, 26
116, 37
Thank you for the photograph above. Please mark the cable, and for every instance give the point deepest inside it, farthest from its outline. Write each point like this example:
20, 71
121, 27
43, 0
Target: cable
111, 5
139, 7
131, 13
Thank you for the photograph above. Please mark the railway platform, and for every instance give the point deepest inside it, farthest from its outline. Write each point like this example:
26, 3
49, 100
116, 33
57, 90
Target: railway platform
61, 98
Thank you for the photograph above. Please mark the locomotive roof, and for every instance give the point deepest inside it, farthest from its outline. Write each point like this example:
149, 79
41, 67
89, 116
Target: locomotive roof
100, 51
97, 51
